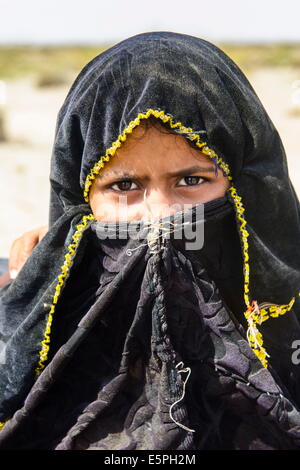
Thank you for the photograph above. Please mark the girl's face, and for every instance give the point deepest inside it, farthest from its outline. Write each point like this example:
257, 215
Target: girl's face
157, 172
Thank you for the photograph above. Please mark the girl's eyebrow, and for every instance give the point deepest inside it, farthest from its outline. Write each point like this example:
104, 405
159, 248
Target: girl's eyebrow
193, 169
125, 174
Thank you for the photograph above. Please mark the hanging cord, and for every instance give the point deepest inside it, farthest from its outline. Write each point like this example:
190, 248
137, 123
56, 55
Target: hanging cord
157, 230
152, 238
181, 371
254, 337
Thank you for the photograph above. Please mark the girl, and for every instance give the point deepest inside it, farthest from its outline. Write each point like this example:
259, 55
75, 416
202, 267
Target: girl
133, 337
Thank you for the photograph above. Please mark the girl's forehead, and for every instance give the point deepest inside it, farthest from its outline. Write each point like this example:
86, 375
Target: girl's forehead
154, 147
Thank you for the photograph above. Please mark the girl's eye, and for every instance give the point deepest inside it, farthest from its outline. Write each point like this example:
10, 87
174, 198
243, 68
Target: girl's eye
191, 181
125, 185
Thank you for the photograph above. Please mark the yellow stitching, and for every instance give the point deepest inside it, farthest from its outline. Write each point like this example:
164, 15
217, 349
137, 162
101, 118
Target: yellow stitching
256, 315
244, 239
2, 424
61, 279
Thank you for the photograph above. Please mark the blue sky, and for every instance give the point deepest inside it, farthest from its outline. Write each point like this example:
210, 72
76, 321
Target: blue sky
98, 21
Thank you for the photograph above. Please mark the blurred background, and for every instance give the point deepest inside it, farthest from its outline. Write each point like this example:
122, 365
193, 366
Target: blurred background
44, 45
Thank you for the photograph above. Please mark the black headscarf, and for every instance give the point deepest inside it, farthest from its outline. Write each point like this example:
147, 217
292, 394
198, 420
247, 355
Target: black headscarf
117, 356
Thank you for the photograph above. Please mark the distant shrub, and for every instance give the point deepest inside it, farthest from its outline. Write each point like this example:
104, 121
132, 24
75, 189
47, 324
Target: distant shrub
51, 80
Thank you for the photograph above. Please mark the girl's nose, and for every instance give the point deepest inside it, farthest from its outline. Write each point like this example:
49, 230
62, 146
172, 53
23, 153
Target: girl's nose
158, 204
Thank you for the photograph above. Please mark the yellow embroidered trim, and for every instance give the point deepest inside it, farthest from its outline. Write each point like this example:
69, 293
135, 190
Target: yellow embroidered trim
254, 315
72, 248
1, 425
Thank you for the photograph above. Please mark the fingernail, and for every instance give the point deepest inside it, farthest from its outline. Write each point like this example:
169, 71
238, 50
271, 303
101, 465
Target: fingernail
13, 273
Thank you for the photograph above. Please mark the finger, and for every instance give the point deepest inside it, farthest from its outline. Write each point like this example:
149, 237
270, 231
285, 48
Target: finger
42, 232
21, 249
29, 241
13, 258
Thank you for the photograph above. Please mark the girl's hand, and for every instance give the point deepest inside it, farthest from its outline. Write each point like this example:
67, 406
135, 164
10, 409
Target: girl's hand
22, 247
